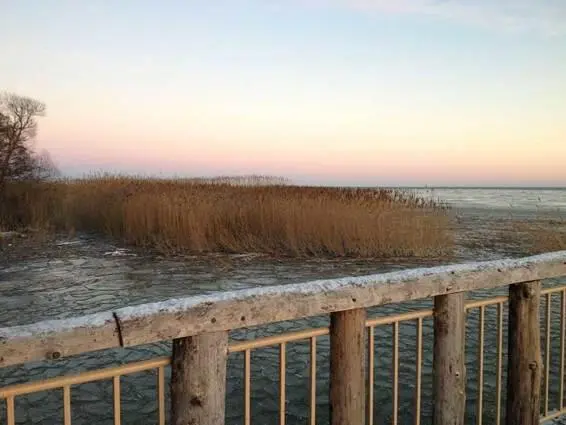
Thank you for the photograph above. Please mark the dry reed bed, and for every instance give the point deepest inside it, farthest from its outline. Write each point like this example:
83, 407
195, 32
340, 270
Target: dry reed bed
546, 234
238, 216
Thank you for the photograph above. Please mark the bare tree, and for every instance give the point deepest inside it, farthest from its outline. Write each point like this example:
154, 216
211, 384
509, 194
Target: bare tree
18, 127
44, 167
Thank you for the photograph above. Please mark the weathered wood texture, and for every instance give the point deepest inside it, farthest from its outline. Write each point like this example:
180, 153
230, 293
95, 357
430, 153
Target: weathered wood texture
347, 367
55, 339
238, 309
198, 379
449, 367
524, 368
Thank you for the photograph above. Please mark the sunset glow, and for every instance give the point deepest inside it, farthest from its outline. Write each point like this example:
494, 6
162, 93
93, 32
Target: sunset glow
322, 92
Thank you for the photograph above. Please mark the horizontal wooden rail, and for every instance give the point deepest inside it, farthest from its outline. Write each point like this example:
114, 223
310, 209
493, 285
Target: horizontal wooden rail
191, 316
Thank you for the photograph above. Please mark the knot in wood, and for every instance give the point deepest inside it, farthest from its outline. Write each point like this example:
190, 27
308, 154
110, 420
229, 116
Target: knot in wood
53, 355
527, 291
533, 365
196, 401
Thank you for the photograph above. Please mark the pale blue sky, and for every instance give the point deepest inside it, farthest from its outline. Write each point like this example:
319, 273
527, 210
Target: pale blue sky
360, 92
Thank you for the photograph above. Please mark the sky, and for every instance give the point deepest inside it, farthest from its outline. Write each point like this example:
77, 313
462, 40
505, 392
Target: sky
353, 92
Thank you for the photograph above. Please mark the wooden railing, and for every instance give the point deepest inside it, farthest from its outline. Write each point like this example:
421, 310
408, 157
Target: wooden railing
199, 328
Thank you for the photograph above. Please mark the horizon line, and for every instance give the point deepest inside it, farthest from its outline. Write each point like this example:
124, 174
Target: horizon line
291, 181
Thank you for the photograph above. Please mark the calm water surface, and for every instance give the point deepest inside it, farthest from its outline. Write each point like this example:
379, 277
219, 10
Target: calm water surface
514, 201
85, 275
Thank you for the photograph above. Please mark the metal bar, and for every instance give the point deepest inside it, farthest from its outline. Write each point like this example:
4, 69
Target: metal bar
390, 320
479, 420
552, 290
395, 373
117, 407
313, 382
547, 353
555, 414
282, 376
67, 405
419, 349
276, 339
371, 366
562, 314
10, 411
161, 394
96, 375
247, 389
499, 363
486, 302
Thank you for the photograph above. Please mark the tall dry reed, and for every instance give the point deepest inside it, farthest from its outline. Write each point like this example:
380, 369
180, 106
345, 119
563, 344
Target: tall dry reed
256, 214
544, 234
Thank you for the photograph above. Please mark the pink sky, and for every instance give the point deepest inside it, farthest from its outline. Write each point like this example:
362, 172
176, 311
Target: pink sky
321, 92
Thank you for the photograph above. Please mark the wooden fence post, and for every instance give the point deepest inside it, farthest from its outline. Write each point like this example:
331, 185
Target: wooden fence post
524, 357
347, 367
449, 367
198, 379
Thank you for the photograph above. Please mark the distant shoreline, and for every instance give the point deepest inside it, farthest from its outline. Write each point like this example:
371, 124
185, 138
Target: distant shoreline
481, 187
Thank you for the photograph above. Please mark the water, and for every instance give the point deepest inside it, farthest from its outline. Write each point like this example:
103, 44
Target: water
85, 275
520, 201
